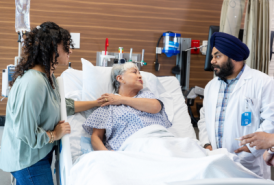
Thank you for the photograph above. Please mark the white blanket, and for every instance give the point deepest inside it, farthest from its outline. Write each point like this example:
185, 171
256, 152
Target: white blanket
153, 156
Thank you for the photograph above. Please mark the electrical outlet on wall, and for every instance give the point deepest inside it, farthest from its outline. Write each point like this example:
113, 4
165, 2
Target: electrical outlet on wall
75, 37
203, 49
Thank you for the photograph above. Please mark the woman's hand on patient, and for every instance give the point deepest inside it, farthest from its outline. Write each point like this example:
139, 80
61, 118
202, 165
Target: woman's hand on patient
99, 103
109, 99
80, 106
62, 128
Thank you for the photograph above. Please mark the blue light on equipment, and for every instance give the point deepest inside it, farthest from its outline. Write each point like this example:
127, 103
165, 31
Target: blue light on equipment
171, 44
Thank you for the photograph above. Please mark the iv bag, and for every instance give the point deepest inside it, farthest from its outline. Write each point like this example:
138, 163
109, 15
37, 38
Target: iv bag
22, 22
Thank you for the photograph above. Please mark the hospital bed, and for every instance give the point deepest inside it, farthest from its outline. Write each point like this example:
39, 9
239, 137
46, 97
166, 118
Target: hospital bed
81, 85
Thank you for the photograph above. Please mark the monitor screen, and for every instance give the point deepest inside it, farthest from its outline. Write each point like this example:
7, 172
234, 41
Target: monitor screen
213, 29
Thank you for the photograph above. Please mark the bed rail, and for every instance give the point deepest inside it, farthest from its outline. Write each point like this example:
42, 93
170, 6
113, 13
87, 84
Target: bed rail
64, 157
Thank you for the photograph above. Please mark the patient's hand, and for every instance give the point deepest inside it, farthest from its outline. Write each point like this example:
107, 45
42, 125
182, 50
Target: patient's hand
209, 147
242, 149
110, 99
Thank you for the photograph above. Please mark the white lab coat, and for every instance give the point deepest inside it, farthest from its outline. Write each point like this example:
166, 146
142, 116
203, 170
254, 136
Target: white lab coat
252, 84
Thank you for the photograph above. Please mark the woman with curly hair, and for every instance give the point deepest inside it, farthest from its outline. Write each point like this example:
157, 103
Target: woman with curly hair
33, 110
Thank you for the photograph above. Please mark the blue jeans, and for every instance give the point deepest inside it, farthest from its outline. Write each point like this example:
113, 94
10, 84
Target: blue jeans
39, 173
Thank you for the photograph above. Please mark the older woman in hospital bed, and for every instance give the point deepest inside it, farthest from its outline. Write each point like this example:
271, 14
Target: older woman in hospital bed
135, 124
126, 112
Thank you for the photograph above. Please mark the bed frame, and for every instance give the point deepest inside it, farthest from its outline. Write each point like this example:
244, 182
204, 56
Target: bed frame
63, 162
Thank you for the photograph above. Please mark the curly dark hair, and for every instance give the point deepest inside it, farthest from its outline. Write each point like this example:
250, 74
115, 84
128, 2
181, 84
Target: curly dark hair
40, 45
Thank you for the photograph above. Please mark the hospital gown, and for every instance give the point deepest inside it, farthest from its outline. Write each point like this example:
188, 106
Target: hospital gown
121, 121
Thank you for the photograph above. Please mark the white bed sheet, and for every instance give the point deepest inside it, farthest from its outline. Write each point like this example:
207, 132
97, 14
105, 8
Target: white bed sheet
154, 156
224, 181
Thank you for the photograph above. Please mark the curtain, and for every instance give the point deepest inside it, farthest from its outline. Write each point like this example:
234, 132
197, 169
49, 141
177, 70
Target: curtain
256, 34
271, 29
231, 16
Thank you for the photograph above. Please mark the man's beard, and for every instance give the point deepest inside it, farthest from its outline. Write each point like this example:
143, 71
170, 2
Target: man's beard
226, 69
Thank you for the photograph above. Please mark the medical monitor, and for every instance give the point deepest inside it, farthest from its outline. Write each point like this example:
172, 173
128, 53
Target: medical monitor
213, 29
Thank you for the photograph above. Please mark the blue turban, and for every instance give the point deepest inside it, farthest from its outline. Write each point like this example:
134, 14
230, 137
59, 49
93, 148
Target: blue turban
230, 46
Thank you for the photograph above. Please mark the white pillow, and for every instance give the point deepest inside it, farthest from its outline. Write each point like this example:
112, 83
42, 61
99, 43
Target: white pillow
97, 81
181, 124
152, 83
73, 81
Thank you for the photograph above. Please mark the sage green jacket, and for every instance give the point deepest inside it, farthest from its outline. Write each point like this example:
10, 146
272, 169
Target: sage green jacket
33, 108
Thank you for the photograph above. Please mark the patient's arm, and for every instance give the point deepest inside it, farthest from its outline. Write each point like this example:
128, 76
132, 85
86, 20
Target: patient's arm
143, 104
80, 106
97, 139
152, 106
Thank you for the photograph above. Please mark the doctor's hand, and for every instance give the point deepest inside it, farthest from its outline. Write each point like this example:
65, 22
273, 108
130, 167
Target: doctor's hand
110, 99
242, 149
261, 140
268, 158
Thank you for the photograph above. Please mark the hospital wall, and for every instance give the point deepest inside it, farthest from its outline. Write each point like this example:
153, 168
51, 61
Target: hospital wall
133, 24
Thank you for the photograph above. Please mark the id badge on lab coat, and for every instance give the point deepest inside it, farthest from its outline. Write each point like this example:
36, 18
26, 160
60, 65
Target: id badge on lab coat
246, 119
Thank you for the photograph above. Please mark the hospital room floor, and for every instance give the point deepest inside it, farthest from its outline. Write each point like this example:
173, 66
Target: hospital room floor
5, 178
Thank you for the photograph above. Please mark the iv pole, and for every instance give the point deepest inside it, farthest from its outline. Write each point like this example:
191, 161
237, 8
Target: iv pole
17, 58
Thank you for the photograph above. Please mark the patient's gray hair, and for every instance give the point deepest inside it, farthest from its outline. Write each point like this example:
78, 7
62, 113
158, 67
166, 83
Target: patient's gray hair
119, 69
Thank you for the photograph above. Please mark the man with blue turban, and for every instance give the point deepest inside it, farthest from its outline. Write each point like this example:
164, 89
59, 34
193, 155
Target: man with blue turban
237, 102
